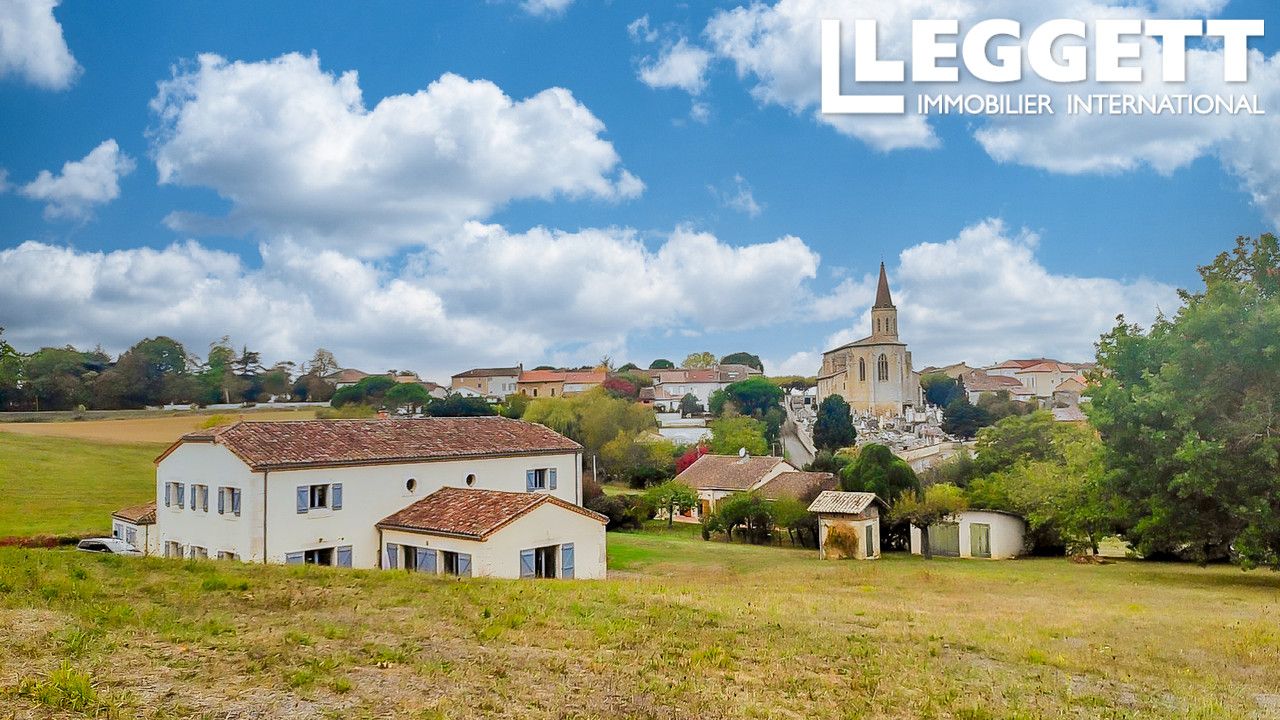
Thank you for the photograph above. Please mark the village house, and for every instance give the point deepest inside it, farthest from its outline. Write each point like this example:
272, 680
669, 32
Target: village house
493, 383
979, 383
557, 383
716, 477
848, 525
345, 377
136, 525
328, 492
975, 534
873, 374
670, 386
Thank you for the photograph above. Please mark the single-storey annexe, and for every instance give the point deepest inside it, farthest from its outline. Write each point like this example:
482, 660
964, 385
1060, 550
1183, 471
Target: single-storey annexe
848, 525
990, 534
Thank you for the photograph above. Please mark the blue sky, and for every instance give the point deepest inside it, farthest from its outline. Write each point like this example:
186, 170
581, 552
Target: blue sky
988, 257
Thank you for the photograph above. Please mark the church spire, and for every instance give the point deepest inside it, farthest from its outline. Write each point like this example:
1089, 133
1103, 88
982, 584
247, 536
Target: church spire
883, 299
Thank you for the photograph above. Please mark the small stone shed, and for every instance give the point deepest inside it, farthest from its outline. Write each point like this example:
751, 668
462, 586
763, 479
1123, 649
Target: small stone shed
848, 524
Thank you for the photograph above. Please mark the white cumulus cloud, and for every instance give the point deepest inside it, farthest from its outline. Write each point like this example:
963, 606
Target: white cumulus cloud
544, 8
32, 46
81, 184
297, 152
680, 65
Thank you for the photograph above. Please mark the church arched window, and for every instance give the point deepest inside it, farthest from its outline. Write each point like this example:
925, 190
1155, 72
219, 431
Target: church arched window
884, 368
862, 370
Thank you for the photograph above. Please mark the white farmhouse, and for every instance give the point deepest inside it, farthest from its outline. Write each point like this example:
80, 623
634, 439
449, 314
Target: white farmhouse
316, 491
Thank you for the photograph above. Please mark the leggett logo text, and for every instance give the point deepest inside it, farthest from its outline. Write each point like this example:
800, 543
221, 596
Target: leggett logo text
1063, 51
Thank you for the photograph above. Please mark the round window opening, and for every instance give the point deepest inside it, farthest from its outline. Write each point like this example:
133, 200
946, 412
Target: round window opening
411, 484
471, 479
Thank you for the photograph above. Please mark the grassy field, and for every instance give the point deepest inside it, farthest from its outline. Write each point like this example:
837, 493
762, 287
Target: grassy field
54, 485
134, 429
683, 628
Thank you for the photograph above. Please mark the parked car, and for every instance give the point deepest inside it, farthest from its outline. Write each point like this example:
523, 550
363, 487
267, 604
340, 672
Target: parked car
109, 545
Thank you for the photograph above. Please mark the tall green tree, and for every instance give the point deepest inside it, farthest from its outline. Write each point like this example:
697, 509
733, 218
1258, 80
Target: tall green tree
963, 419
662, 364
743, 358
699, 360
729, 434
410, 396
753, 396
834, 427
878, 470
689, 405
1190, 414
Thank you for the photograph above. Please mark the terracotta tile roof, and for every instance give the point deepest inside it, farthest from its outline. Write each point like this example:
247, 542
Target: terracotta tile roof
844, 503
473, 513
728, 472
144, 514
978, 381
796, 485
584, 377
1069, 414
533, 376
346, 375
490, 372
1049, 366
328, 443
1018, 364
693, 375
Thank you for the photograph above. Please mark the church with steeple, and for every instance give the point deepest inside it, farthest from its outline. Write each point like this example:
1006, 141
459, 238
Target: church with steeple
873, 374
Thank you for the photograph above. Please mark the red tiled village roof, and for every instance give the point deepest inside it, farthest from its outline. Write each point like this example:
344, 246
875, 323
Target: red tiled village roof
144, 514
328, 443
473, 513
728, 472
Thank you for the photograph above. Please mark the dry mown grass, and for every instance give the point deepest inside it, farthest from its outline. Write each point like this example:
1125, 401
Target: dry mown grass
132, 429
684, 629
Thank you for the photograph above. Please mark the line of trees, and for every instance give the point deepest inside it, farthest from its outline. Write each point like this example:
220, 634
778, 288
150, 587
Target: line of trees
154, 371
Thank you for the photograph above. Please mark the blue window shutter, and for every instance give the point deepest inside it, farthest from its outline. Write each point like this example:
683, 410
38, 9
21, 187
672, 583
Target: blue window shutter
566, 560
344, 556
304, 498
526, 564
337, 496
391, 558
529, 476
168, 494
235, 501
551, 478
222, 502
464, 565
194, 489
182, 494
427, 563
294, 558
420, 555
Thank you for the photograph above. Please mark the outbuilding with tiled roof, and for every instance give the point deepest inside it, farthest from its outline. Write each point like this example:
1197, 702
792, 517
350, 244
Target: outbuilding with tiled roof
493, 533
848, 524
136, 525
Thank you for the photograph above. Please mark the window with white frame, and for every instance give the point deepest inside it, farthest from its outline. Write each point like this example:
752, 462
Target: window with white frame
227, 555
319, 497
131, 535
229, 501
540, 479
172, 549
199, 553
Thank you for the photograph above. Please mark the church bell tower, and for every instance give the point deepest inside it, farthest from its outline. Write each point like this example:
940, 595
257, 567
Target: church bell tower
884, 316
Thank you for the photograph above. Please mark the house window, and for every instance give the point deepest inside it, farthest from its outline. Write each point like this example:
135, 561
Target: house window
229, 501
199, 553
172, 549
228, 555
322, 556
540, 479
456, 563
538, 562
884, 368
411, 484
131, 536
200, 497
117, 530
862, 370
471, 479
535, 392
319, 497
175, 493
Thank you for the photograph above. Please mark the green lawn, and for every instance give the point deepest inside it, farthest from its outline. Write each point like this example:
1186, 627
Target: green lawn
683, 628
51, 485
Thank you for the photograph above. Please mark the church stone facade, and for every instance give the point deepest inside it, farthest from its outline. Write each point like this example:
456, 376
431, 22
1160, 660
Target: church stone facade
873, 374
